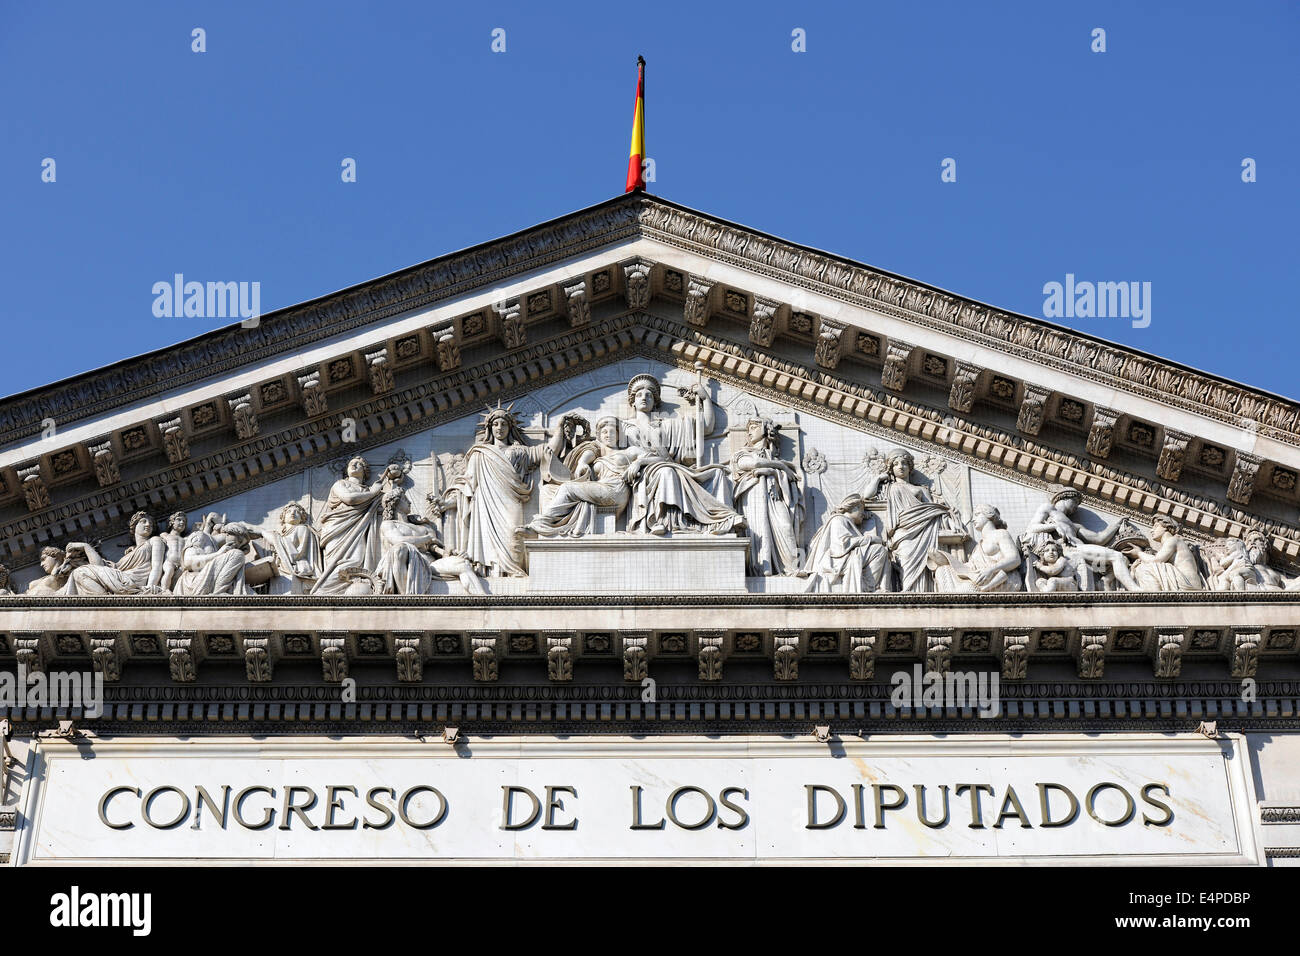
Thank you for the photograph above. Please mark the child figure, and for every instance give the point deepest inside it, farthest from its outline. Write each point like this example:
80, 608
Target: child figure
174, 536
1055, 571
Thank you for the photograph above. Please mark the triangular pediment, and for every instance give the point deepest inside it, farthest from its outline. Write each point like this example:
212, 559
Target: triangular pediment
418, 354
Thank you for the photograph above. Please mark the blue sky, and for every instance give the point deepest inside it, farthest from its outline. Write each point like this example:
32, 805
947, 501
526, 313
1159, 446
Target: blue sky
225, 165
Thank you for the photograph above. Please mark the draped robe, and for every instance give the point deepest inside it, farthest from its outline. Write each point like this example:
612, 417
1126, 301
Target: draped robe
349, 533
499, 487
772, 506
666, 492
914, 525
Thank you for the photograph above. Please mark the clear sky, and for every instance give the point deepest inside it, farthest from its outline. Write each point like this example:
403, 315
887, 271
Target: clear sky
226, 165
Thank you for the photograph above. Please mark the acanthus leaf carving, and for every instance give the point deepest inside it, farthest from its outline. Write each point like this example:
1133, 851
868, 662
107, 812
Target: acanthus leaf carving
893, 374
244, 416
762, 322
1033, 409
697, 305
961, 395
105, 462
827, 351
862, 654
1242, 484
1101, 435
577, 303
1170, 464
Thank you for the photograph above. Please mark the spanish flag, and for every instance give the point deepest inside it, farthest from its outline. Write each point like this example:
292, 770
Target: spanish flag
635, 173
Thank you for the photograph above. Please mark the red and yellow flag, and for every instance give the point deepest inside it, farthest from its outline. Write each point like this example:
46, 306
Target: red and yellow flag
635, 171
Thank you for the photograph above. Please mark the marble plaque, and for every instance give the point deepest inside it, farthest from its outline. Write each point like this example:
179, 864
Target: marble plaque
970, 799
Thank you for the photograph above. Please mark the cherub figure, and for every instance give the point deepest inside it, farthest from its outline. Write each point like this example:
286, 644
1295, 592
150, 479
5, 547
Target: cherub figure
1056, 572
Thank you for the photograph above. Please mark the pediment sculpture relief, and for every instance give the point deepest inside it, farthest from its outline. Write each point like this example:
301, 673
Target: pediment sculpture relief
656, 474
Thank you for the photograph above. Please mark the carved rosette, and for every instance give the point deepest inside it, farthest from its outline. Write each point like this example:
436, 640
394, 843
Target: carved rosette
258, 662
1014, 653
636, 662
829, 336
559, 654
483, 657
938, 649
696, 309
35, 493
333, 659
182, 656
636, 283
862, 654
893, 375
1033, 409
1101, 436
1092, 652
785, 654
710, 654
512, 331
1170, 464
410, 659
243, 416
961, 396
1167, 655
311, 395
1242, 484
106, 655
762, 322
577, 303
1243, 652
380, 371
106, 470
